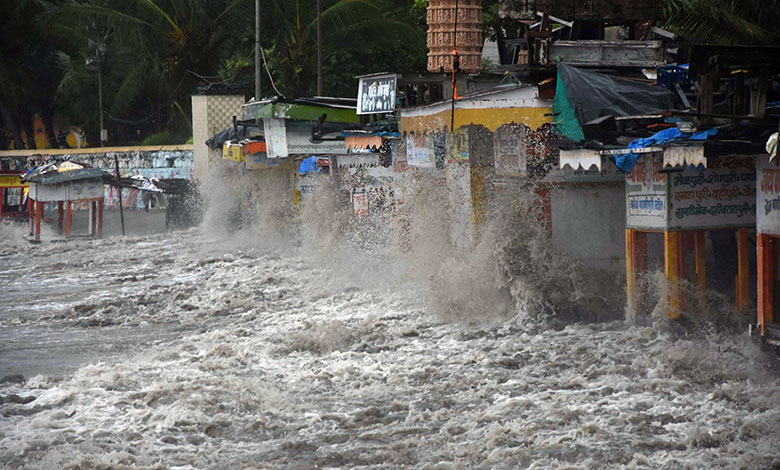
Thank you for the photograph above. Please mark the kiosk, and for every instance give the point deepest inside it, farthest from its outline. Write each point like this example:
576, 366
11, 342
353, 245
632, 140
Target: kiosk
83, 185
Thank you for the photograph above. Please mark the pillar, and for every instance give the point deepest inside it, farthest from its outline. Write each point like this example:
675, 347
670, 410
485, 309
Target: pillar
38, 214
68, 218
636, 248
2, 202
31, 214
765, 263
478, 200
701, 267
100, 219
743, 270
672, 269
59, 217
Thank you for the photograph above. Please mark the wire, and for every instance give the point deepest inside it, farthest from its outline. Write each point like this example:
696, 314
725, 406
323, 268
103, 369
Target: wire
279, 93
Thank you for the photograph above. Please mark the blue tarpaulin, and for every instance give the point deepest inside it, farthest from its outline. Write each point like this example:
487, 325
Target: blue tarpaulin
308, 165
627, 161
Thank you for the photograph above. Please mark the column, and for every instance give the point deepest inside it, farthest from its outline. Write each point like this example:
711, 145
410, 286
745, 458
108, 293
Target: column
701, 267
59, 217
672, 268
743, 270
636, 248
31, 215
68, 218
100, 219
38, 213
765, 254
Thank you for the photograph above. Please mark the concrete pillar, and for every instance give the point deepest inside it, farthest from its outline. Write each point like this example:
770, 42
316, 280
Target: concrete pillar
672, 270
766, 278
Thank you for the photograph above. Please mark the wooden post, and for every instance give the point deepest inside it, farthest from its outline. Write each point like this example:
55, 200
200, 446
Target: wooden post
743, 271
766, 278
701, 268
706, 90
59, 217
68, 218
31, 214
93, 218
100, 219
671, 268
38, 213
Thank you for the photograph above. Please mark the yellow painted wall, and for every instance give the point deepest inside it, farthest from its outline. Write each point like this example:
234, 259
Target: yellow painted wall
491, 118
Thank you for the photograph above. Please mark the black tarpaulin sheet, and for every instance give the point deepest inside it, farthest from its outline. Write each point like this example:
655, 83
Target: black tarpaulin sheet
220, 138
593, 95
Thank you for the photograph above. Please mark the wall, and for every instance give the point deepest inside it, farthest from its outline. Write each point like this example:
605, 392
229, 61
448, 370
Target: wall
588, 223
211, 114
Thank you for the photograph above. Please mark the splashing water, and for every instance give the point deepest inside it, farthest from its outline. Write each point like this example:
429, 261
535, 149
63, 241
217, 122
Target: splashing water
321, 340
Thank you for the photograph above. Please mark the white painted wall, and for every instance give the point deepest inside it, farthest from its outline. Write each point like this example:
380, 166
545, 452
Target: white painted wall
588, 223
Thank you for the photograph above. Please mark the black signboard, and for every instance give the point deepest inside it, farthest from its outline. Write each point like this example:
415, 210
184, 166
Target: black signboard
376, 94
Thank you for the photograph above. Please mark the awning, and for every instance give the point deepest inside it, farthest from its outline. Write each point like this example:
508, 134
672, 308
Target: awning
674, 156
585, 158
580, 158
362, 142
682, 156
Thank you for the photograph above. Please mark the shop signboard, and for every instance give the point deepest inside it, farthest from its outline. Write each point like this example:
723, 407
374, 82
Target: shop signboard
509, 150
722, 195
646, 194
11, 181
768, 196
376, 94
420, 152
459, 143
360, 202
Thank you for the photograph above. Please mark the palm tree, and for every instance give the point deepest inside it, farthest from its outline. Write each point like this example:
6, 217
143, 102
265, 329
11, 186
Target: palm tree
346, 25
28, 82
725, 21
156, 53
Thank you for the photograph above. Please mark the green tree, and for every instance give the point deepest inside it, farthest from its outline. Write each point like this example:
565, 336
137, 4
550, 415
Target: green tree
27, 81
354, 28
157, 54
724, 21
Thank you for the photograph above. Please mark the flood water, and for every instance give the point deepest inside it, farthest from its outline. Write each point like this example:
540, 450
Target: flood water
184, 350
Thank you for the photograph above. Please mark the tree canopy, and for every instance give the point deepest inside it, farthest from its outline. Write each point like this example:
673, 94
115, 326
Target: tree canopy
157, 52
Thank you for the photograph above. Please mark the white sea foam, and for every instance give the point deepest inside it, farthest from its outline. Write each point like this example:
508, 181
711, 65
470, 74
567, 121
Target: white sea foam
304, 350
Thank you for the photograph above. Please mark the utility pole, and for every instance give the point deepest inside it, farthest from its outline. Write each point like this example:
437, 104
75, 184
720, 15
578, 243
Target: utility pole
319, 49
258, 91
103, 132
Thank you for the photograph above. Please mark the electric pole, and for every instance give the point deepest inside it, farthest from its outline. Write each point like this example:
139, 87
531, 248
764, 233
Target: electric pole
258, 93
319, 49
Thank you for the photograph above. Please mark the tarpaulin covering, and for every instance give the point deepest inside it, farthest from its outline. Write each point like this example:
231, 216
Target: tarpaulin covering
591, 95
215, 143
627, 161
308, 165
566, 122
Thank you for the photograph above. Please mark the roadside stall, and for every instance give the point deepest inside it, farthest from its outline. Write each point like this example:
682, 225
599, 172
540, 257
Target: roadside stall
768, 232
65, 184
687, 193
12, 193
